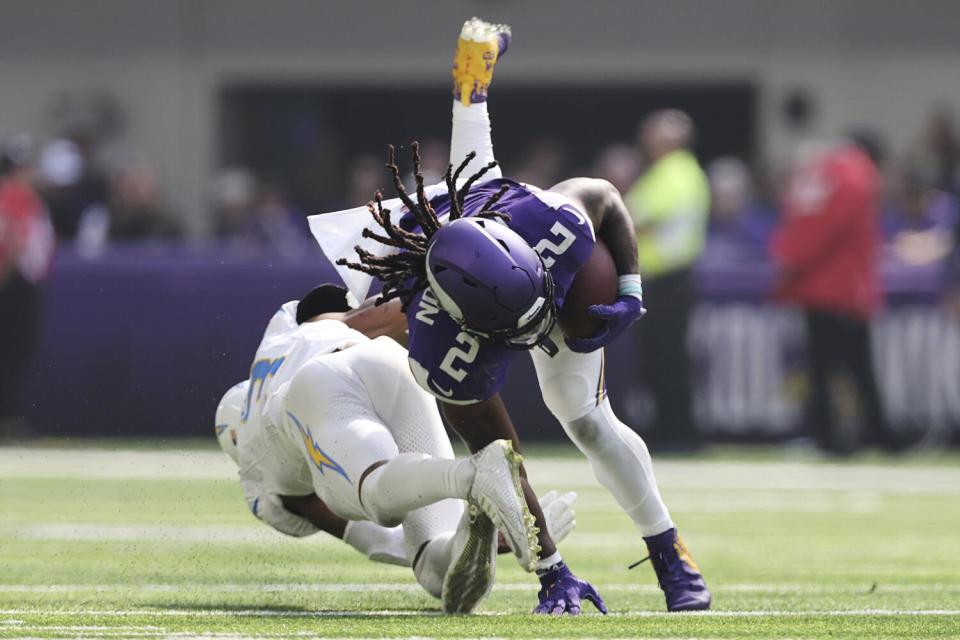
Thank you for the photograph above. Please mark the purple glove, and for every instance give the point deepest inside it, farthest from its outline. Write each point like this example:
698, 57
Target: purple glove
616, 317
561, 592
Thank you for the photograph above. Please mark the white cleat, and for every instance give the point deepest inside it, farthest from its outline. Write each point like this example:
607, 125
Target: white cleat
473, 563
497, 491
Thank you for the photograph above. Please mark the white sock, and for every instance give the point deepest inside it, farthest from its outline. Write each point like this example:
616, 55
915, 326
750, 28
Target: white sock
410, 481
471, 132
432, 565
621, 463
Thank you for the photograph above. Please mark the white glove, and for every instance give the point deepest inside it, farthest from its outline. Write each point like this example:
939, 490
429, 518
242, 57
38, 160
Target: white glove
379, 544
559, 514
270, 510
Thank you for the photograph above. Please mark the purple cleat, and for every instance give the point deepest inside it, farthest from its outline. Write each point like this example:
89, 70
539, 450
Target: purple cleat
678, 574
561, 592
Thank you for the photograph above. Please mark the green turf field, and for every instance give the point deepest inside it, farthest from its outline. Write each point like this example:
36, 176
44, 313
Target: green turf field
139, 541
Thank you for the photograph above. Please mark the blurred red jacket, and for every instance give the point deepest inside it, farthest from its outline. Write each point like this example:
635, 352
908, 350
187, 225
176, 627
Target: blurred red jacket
827, 243
27, 240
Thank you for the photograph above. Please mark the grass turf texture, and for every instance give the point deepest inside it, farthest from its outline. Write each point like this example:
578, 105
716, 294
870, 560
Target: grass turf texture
135, 540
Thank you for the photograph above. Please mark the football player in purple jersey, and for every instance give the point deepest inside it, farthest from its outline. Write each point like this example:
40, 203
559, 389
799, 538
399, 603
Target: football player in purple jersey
481, 267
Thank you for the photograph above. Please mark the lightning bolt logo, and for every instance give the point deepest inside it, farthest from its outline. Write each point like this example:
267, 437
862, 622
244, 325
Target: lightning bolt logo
319, 457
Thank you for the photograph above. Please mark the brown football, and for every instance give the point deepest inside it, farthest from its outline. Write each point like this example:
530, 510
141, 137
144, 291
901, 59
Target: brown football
595, 283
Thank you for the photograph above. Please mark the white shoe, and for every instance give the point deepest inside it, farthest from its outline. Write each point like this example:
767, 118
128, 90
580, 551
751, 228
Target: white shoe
473, 562
497, 491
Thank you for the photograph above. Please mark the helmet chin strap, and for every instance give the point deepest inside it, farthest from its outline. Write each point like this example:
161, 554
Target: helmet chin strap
548, 346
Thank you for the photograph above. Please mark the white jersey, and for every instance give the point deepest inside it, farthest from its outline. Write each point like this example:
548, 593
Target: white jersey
270, 464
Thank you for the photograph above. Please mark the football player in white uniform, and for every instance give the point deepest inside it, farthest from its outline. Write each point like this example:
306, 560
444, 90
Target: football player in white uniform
332, 432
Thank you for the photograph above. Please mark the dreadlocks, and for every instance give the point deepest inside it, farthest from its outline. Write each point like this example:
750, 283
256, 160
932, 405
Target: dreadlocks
405, 273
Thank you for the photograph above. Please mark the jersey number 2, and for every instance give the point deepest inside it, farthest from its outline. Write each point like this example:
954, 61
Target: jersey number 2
546, 246
449, 364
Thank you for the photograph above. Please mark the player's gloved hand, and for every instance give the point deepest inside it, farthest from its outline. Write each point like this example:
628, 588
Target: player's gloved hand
270, 510
616, 318
561, 592
559, 514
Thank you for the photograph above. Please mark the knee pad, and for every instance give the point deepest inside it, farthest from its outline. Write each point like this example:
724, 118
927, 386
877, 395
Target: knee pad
589, 430
571, 397
572, 384
597, 429
586, 430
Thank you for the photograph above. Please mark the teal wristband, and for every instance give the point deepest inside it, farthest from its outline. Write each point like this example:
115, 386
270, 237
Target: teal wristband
630, 285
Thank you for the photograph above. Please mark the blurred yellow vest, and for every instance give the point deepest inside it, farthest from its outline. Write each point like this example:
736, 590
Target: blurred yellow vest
669, 205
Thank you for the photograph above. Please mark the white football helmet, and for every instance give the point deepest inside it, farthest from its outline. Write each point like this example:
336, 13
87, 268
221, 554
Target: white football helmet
228, 417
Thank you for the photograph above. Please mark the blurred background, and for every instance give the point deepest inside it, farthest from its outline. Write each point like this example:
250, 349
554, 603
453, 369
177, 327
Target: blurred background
159, 160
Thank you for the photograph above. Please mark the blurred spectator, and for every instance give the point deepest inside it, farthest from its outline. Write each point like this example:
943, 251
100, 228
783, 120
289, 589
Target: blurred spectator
739, 226
26, 251
544, 165
256, 217
367, 174
669, 205
233, 192
619, 164
136, 206
826, 249
133, 212
434, 155
277, 225
71, 183
952, 293
935, 159
920, 226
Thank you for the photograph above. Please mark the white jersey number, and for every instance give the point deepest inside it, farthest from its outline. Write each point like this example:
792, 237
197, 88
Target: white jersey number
449, 364
547, 246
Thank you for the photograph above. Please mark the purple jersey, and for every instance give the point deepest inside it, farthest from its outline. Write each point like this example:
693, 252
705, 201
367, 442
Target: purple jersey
446, 360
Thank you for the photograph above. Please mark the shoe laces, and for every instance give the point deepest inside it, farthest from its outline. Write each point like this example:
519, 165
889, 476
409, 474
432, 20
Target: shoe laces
663, 565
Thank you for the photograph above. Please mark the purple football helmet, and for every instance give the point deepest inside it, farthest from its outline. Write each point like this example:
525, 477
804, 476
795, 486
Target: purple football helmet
492, 283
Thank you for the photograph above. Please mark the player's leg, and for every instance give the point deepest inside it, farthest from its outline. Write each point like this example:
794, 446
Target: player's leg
359, 471
411, 416
454, 554
574, 389
479, 47
859, 352
354, 460
821, 358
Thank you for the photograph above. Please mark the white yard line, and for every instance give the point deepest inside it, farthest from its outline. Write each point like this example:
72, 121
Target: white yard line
712, 476
253, 533
762, 588
273, 613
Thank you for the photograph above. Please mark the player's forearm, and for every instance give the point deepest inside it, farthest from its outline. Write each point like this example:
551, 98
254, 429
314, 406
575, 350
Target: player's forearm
373, 321
612, 224
315, 511
380, 544
618, 234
